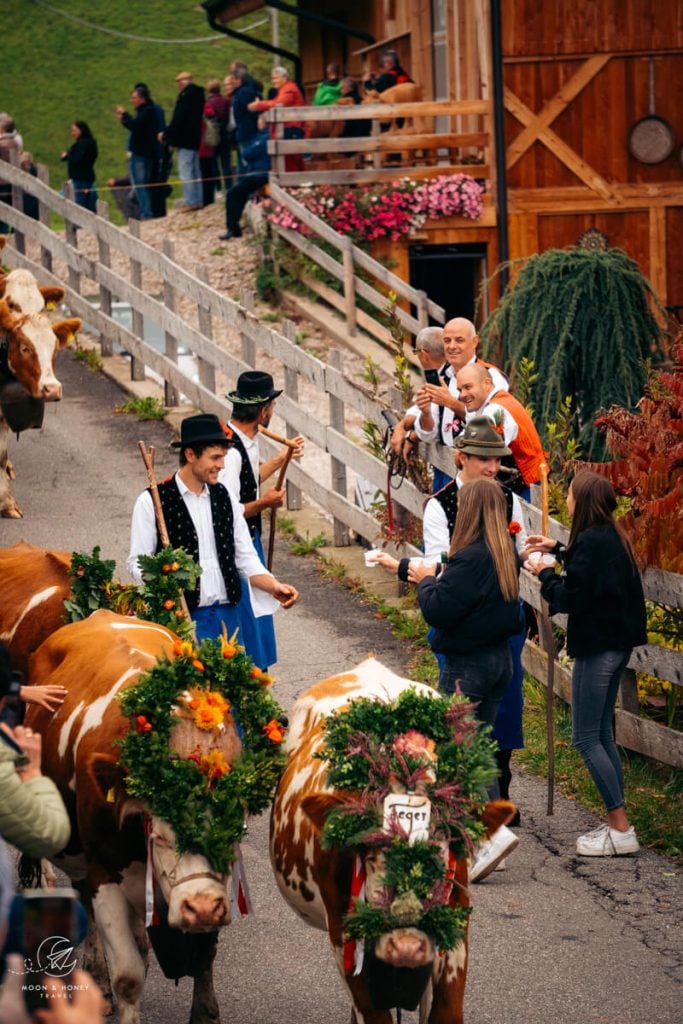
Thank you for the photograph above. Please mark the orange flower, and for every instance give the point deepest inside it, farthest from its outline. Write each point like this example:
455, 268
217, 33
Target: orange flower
174, 566
214, 765
210, 708
256, 673
229, 651
180, 614
515, 527
498, 427
197, 664
143, 725
166, 568
274, 731
168, 604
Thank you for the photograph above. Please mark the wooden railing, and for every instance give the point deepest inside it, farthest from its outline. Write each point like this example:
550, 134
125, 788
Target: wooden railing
427, 141
166, 286
346, 270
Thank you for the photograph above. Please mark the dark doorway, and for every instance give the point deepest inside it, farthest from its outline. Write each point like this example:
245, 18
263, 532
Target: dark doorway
451, 275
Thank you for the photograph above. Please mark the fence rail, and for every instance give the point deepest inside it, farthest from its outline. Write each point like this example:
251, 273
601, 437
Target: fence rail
343, 396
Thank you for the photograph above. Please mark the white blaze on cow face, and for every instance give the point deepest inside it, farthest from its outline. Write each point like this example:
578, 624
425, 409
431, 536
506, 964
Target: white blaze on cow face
197, 897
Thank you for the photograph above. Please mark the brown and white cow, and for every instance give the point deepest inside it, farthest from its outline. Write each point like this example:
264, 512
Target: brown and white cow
23, 294
317, 883
35, 584
29, 343
106, 856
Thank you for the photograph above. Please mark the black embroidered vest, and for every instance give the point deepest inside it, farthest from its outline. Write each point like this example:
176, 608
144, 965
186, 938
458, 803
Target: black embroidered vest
447, 497
182, 534
248, 484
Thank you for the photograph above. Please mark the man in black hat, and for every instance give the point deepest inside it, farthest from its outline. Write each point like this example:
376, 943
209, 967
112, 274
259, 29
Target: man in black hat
202, 518
253, 403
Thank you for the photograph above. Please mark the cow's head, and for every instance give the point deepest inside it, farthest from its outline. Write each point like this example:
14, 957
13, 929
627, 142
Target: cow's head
196, 896
31, 344
23, 294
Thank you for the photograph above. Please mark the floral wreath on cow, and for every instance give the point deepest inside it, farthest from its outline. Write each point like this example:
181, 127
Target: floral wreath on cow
203, 691
433, 750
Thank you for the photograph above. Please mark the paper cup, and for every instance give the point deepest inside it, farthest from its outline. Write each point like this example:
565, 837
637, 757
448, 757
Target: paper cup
370, 557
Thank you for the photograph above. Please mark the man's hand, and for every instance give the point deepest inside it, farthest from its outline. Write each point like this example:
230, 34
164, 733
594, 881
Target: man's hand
32, 744
86, 1007
398, 437
273, 497
437, 393
286, 594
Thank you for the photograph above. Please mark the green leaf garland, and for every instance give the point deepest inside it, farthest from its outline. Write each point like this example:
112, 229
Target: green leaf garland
432, 745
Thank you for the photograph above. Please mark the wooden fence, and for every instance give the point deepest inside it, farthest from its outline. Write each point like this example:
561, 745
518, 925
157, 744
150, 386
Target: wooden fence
303, 373
420, 139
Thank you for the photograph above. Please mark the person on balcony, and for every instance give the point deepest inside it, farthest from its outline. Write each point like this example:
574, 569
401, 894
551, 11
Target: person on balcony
330, 89
288, 95
390, 73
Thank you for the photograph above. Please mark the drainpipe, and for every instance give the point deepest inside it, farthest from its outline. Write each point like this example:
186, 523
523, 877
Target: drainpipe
234, 34
499, 136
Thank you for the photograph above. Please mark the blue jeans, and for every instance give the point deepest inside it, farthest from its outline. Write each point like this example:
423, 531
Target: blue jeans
190, 175
483, 676
141, 168
595, 682
85, 194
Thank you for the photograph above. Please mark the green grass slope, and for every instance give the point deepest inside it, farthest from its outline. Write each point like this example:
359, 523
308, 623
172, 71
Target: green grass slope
57, 70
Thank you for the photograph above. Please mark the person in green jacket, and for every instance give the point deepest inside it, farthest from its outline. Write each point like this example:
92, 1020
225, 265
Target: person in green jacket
330, 90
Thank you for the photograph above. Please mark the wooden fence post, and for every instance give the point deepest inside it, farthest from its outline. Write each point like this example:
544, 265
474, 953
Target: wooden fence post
341, 531
349, 284
422, 314
17, 203
137, 367
71, 232
292, 391
628, 692
171, 396
44, 217
104, 257
207, 373
248, 346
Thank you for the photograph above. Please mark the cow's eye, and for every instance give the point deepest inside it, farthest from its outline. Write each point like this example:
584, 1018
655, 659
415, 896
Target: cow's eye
25, 350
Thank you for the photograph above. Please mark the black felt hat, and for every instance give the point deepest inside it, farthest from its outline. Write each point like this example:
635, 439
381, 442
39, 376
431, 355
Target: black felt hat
204, 428
253, 388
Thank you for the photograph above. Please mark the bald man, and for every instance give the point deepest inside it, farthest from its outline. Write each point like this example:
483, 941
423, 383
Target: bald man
481, 397
442, 414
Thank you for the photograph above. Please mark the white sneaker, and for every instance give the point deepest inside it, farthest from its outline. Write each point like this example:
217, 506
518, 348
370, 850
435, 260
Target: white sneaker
491, 852
607, 842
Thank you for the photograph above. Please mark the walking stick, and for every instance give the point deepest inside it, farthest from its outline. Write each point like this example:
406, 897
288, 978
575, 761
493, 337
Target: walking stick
548, 642
148, 459
291, 448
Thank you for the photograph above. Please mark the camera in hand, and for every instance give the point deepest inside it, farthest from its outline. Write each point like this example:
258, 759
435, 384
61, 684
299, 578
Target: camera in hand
12, 709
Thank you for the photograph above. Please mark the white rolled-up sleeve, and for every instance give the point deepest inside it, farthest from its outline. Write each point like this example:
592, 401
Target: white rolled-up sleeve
143, 534
435, 537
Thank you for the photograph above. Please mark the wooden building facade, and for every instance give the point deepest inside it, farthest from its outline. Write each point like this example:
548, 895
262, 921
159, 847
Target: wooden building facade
578, 75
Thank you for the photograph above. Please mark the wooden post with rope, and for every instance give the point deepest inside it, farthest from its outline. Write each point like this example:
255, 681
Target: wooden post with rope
291, 448
148, 459
548, 642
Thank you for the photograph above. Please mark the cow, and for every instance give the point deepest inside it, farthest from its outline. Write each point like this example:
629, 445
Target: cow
35, 584
107, 853
28, 347
317, 883
23, 294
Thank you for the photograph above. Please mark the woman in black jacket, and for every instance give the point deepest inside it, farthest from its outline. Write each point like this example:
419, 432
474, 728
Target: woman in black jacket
80, 158
473, 604
601, 592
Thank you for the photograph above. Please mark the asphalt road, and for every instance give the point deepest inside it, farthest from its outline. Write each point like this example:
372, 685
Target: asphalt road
554, 938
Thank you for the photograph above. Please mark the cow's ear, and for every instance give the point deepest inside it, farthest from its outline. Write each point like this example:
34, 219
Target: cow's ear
8, 318
66, 330
3, 278
497, 813
108, 775
317, 807
52, 296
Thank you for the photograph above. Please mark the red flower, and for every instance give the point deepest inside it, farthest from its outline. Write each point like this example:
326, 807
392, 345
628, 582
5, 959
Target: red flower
143, 724
515, 527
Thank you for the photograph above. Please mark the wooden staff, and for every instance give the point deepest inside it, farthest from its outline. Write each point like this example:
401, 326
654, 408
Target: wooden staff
548, 642
287, 441
148, 459
280, 482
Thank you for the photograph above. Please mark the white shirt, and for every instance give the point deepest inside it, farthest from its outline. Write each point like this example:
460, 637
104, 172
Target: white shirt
435, 534
229, 476
497, 413
143, 541
500, 384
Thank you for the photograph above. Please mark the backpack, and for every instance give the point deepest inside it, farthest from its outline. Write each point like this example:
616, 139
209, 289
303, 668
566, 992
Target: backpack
212, 131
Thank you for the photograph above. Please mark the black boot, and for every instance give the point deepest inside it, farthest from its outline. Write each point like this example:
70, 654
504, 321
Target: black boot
504, 779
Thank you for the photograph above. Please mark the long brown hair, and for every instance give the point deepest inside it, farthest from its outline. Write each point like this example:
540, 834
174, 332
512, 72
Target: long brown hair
595, 503
482, 514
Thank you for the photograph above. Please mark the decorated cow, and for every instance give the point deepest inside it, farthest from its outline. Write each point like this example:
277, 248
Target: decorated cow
383, 796
35, 584
157, 783
28, 347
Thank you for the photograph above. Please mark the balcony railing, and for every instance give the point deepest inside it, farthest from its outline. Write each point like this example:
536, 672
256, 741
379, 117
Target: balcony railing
421, 140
